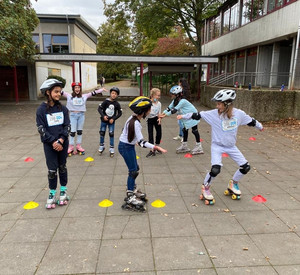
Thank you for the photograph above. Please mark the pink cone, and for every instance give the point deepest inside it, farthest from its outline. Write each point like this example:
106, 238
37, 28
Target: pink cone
259, 198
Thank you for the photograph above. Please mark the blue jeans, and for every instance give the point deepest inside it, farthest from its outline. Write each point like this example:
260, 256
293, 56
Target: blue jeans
77, 121
111, 129
180, 127
127, 151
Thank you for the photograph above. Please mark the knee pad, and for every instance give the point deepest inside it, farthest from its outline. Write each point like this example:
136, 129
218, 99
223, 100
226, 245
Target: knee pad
51, 174
245, 168
102, 133
62, 169
195, 131
215, 170
133, 174
79, 132
111, 134
72, 134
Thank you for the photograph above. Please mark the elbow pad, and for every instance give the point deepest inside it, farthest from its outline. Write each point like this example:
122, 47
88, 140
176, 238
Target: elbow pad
142, 143
196, 116
173, 111
168, 109
42, 130
67, 128
252, 123
93, 93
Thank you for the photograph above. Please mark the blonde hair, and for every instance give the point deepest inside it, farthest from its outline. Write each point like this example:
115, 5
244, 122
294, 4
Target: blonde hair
228, 110
154, 91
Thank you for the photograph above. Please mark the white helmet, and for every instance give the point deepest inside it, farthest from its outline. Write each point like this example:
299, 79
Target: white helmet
224, 96
49, 84
176, 90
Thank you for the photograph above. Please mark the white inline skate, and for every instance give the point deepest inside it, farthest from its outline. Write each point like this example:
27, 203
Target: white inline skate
51, 201
198, 149
206, 195
139, 194
111, 152
101, 149
183, 148
132, 203
63, 197
233, 190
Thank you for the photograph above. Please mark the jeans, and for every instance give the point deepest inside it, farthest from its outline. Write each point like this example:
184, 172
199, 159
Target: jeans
111, 129
127, 151
77, 121
180, 128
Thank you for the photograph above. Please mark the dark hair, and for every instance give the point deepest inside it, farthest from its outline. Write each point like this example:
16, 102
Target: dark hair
49, 99
131, 130
76, 95
185, 88
177, 99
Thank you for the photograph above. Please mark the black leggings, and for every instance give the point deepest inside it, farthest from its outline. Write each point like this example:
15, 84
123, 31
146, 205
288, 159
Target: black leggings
152, 122
194, 131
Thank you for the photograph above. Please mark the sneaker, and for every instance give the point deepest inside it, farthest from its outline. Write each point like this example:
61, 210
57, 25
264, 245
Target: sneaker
151, 153
178, 138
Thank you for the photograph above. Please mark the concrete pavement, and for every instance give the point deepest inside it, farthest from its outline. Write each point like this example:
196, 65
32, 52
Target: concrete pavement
184, 237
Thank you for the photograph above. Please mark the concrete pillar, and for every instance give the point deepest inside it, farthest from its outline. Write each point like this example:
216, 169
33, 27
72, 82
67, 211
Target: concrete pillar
292, 62
274, 65
257, 66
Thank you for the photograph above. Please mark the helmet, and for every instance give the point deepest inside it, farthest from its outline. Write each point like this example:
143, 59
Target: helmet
76, 84
176, 90
116, 89
140, 104
49, 84
224, 96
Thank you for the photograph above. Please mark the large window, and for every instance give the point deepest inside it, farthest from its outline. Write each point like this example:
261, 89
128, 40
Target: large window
55, 43
36, 40
226, 21
234, 17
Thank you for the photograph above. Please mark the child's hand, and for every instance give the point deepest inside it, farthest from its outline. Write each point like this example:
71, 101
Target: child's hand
161, 115
160, 149
159, 121
262, 129
104, 90
111, 121
105, 118
179, 117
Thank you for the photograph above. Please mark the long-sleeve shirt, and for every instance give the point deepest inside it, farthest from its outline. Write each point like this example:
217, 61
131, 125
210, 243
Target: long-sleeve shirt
78, 104
110, 108
52, 123
138, 136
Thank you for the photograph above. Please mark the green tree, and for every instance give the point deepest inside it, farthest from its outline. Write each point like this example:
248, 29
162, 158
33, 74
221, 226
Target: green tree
114, 39
17, 22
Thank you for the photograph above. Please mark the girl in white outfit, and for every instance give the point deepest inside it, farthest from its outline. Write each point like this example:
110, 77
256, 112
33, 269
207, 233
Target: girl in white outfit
224, 122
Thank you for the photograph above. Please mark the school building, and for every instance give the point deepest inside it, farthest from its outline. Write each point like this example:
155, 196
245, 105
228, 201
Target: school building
257, 42
59, 34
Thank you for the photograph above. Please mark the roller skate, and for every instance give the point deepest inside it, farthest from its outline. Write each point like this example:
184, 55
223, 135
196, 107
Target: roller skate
111, 152
233, 190
183, 148
101, 149
132, 203
71, 150
51, 201
140, 195
198, 149
80, 150
63, 197
207, 196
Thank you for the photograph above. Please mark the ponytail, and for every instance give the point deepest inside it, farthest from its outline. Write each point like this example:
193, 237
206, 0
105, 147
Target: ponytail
131, 130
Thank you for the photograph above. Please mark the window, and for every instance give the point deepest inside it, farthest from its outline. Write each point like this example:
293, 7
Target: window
55, 43
36, 40
226, 21
234, 17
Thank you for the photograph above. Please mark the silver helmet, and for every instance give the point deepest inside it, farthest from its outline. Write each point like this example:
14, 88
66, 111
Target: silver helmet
49, 84
224, 96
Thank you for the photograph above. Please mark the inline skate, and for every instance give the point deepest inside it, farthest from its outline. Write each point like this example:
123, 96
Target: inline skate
207, 196
101, 149
183, 148
139, 194
71, 150
51, 201
233, 190
198, 149
63, 197
132, 203
80, 150
111, 152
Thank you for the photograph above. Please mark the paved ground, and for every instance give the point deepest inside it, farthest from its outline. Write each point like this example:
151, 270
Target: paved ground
185, 237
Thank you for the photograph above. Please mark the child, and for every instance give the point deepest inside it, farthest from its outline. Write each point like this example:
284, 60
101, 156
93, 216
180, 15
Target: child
153, 120
183, 106
52, 120
224, 122
109, 110
132, 134
76, 104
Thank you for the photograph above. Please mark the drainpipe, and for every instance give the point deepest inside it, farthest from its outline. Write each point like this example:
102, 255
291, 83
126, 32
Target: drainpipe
141, 78
295, 58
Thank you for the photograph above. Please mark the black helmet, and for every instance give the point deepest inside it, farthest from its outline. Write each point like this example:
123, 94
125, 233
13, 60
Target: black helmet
49, 84
140, 104
116, 89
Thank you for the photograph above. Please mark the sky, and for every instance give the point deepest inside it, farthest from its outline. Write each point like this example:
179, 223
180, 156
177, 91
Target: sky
90, 10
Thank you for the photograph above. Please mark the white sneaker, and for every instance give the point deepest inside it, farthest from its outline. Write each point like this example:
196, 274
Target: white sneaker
178, 138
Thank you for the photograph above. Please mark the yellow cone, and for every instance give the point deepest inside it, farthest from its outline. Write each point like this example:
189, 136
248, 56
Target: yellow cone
31, 205
158, 204
106, 203
89, 159
137, 157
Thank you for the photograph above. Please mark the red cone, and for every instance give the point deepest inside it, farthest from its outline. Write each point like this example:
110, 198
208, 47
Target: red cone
28, 159
252, 138
188, 155
259, 198
224, 155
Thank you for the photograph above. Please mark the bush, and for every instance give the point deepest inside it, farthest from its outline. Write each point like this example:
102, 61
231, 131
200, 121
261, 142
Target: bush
59, 78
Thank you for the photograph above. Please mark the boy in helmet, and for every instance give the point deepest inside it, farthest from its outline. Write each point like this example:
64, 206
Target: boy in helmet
109, 110
76, 104
183, 106
52, 120
224, 122
132, 135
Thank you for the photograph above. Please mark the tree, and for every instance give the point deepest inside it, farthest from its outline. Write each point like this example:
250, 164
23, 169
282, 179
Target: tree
114, 39
17, 22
